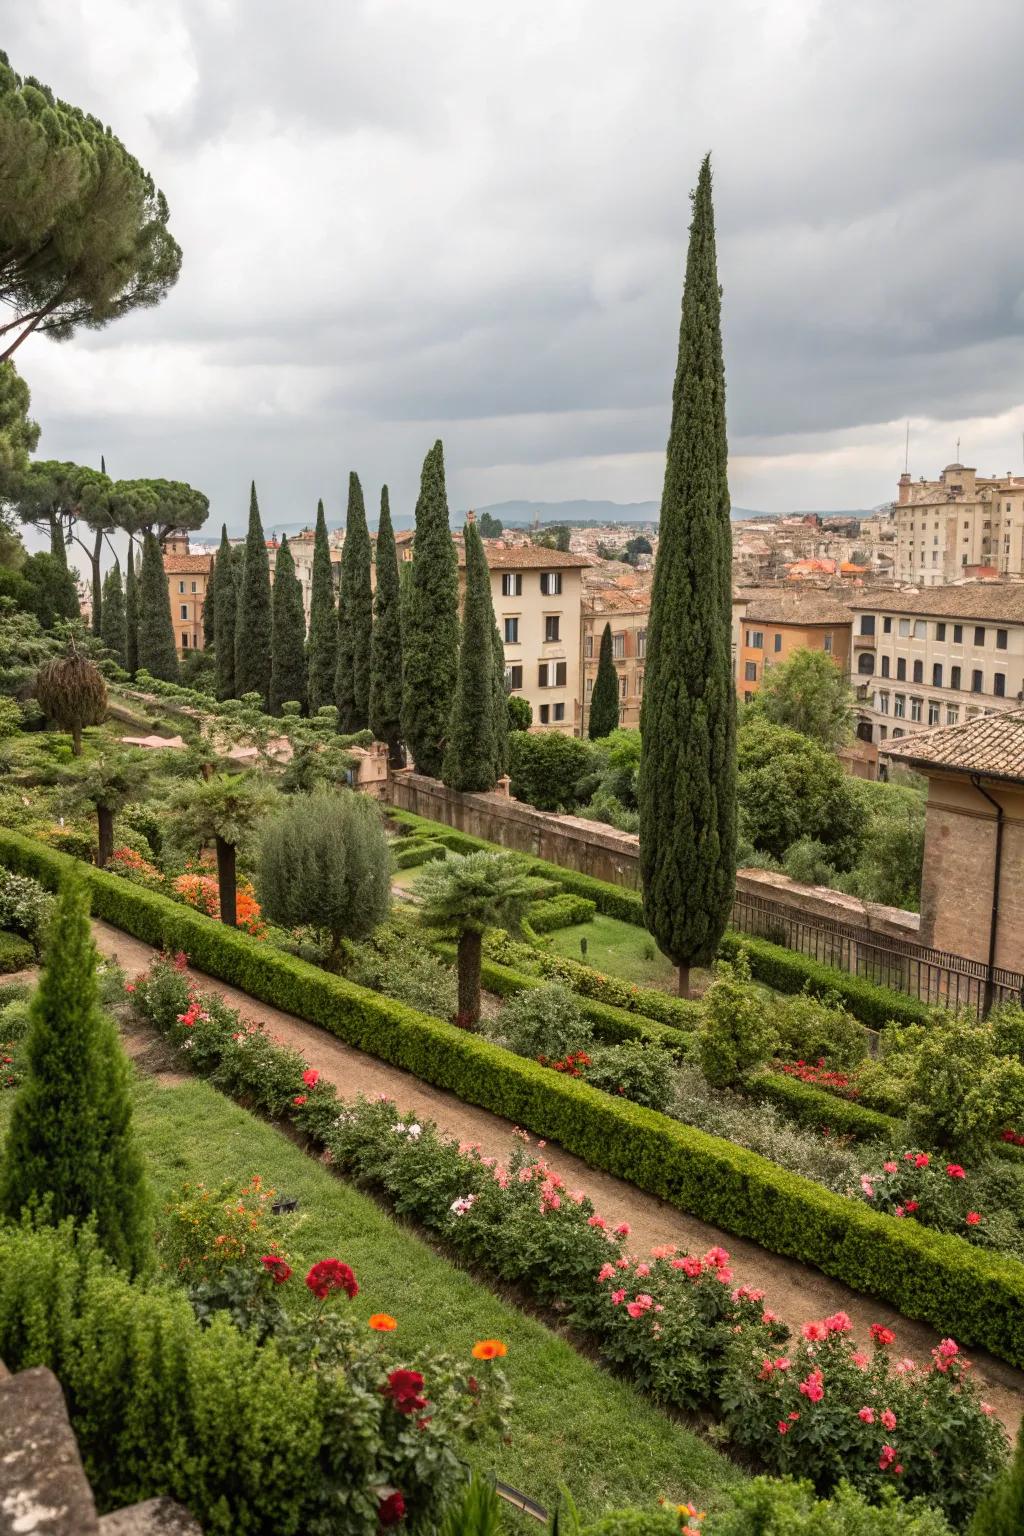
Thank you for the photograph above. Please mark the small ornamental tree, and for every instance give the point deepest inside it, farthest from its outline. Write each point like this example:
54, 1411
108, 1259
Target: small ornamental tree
386, 643
322, 650
288, 638
604, 701
112, 626
324, 863
470, 754
70, 690
107, 785
224, 609
157, 653
466, 896
808, 693
131, 614
430, 627
70, 1150
355, 618
253, 622
225, 810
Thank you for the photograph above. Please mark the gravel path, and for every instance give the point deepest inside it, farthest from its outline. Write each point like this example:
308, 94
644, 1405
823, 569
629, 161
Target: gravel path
795, 1291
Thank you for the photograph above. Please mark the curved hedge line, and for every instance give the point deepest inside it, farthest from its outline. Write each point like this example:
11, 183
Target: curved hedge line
817, 1108
975, 1295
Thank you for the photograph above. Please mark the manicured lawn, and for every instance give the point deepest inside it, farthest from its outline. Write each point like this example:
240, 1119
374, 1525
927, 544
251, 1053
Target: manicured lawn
619, 949
573, 1423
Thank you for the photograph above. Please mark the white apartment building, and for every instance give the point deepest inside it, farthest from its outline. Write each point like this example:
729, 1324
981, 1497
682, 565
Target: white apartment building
936, 657
961, 523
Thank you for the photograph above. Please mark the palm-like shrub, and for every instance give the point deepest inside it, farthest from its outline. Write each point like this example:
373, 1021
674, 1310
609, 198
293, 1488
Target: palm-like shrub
107, 785
225, 810
70, 690
466, 896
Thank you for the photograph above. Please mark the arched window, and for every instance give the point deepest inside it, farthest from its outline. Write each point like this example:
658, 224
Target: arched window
866, 663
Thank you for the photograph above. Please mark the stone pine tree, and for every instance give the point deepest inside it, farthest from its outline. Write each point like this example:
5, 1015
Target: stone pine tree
288, 638
604, 701
687, 779
70, 1149
253, 620
131, 613
386, 643
355, 617
322, 647
157, 653
112, 624
224, 603
499, 699
430, 632
471, 750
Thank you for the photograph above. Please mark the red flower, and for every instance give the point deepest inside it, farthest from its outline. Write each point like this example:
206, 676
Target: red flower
276, 1267
973, 1218
403, 1388
331, 1275
299, 1099
311, 1077
955, 1171
391, 1511
882, 1335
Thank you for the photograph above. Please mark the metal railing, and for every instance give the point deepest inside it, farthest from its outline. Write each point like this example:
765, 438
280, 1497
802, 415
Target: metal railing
931, 975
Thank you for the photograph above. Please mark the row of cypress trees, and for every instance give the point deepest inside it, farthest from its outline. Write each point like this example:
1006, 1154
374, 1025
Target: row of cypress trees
135, 622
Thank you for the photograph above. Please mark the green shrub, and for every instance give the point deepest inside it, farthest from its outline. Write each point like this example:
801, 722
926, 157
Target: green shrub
546, 767
25, 907
543, 1021
417, 853
565, 911
390, 961
818, 1110
632, 1522
16, 953
812, 1027
738, 1030
771, 1506
785, 970
642, 1073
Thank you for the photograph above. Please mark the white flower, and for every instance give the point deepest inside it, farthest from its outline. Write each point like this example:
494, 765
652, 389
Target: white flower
463, 1204
186, 1045
414, 1130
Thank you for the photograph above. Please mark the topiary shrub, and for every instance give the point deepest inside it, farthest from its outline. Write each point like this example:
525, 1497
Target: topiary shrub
642, 1073
546, 767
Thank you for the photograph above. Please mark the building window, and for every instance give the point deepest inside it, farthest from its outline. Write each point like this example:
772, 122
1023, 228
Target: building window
588, 647
937, 675
897, 731
514, 676
885, 666
551, 583
828, 643
899, 705
511, 631
901, 669
750, 672
619, 645
550, 628
954, 677
193, 586
952, 714
755, 639
904, 627
181, 586
940, 631
977, 682
184, 641
865, 663
920, 629
883, 703
1001, 639
999, 685
542, 675
933, 712
958, 634
778, 643
641, 642
544, 713
979, 634
590, 687
512, 584
887, 626
622, 687
918, 671
184, 610
915, 709
867, 623
559, 712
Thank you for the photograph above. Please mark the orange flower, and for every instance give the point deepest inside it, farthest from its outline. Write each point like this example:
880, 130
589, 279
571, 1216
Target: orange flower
380, 1322
488, 1349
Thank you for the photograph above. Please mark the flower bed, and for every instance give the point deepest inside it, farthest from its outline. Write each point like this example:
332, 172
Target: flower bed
678, 1324
820, 1108
928, 1275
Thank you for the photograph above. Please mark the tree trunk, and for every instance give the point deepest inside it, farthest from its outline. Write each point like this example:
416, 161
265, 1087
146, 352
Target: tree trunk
105, 821
470, 948
76, 740
684, 981
226, 882
97, 581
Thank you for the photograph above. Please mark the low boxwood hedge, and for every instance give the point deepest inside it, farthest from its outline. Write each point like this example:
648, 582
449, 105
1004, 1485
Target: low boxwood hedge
16, 953
678, 1012
975, 1295
786, 970
814, 1107
417, 853
559, 912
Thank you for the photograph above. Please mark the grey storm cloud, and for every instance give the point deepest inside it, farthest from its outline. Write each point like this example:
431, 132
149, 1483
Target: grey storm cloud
469, 220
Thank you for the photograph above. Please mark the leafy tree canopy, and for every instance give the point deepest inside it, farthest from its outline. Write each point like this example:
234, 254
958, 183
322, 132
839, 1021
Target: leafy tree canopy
158, 506
792, 788
810, 694
18, 434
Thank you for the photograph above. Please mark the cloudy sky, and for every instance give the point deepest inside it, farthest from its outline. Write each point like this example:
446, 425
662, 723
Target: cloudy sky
466, 219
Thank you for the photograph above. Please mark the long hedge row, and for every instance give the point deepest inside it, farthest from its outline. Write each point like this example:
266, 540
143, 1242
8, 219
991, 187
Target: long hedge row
817, 1109
973, 1294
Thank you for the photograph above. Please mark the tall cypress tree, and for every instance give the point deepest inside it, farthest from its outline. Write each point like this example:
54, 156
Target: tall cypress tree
687, 780
355, 617
322, 657
253, 620
471, 750
157, 652
131, 613
430, 634
288, 666
224, 604
70, 1140
386, 644
604, 701
113, 629
500, 702
210, 611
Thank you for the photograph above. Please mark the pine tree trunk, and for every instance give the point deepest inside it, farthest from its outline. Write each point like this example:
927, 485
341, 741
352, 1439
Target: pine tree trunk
105, 822
684, 981
97, 582
470, 949
76, 740
226, 882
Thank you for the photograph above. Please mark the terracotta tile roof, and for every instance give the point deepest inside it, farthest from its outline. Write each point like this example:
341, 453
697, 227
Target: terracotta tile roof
992, 745
997, 600
182, 565
525, 557
788, 607
614, 600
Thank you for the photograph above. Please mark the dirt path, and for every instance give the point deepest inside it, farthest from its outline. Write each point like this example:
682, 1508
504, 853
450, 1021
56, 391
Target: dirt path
795, 1291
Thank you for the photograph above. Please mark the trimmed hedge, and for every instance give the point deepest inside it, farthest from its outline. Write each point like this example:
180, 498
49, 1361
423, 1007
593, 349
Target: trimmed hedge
559, 912
973, 1294
678, 1012
816, 1108
16, 953
417, 853
786, 970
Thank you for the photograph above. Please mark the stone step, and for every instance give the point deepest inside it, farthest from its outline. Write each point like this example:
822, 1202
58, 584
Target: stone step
156, 1517
43, 1488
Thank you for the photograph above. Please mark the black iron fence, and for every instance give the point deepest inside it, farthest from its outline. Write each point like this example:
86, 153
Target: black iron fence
931, 975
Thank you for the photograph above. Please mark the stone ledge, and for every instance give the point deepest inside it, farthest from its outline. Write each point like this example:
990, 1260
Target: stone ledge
156, 1517
43, 1487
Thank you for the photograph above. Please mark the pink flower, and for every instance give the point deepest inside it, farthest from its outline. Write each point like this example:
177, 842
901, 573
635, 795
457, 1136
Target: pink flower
783, 1363
972, 1218
955, 1171
866, 1415
622, 1230
898, 1211
299, 1099
890, 1167
783, 1427
867, 1186
643, 1270
889, 1419
814, 1332
882, 1335
311, 1077
767, 1367
690, 1266
812, 1388
949, 1347
597, 1221
769, 1317
129, 986
887, 1457
911, 1206
635, 1309
644, 1300
986, 1408
922, 1160
617, 1297
902, 1367
839, 1322
716, 1256
860, 1360
605, 1272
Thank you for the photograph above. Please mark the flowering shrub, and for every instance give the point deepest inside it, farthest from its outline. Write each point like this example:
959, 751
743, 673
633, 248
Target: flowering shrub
919, 1186
204, 1230
201, 891
820, 1076
829, 1411
25, 907
134, 867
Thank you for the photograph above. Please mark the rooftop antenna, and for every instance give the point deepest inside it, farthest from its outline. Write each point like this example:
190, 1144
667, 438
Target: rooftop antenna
958, 450
906, 456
